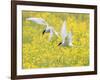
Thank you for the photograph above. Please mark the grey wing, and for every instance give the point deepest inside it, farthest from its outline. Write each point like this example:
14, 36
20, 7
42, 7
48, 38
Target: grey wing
37, 20
63, 31
55, 32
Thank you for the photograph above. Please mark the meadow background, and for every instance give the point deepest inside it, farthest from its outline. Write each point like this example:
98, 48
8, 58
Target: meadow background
38, 52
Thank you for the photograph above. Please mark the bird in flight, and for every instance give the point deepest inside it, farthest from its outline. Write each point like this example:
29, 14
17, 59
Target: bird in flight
48, 28
66, 36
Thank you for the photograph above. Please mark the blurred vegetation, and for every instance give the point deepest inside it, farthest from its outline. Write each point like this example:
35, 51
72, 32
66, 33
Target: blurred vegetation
38, 52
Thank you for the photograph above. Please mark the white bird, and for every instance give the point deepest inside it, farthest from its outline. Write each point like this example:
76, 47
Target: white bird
37, 20
66, 36
48, 29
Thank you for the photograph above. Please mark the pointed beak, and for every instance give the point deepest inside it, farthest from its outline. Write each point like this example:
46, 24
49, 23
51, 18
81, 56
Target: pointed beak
43, 32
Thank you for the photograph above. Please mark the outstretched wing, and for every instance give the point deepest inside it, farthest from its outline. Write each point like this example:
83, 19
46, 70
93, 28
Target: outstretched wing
70, 39
63, 31
56, 33
37, 20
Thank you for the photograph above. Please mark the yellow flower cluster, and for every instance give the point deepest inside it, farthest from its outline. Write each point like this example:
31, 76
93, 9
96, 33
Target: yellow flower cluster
38, 52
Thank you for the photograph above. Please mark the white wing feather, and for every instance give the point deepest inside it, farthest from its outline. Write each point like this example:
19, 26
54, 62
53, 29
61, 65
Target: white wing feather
56, 33
63, 31
37, 20
70, 39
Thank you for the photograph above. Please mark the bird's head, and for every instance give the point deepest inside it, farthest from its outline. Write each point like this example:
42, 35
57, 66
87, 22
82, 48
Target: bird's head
59, 43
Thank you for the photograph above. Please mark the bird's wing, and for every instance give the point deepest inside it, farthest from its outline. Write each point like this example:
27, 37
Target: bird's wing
51, 34
63, 31
37, 20
55, 32
70, 39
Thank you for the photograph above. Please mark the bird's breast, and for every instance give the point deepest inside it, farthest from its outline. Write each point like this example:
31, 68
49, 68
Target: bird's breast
47, 30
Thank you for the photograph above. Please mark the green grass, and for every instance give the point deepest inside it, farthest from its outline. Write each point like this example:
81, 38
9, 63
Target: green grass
38, 52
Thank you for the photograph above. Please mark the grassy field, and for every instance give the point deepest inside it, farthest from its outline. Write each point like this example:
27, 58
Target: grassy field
38, 52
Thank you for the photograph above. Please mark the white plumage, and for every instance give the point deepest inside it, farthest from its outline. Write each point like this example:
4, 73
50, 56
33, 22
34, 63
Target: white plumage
48, 29
63, 31
66, 36
37, 20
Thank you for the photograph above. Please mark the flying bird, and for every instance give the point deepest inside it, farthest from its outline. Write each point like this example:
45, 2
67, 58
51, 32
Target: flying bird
48, 28
66, 36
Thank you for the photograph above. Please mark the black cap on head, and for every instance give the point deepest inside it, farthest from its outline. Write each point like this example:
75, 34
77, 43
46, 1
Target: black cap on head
59, 43
43, 32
